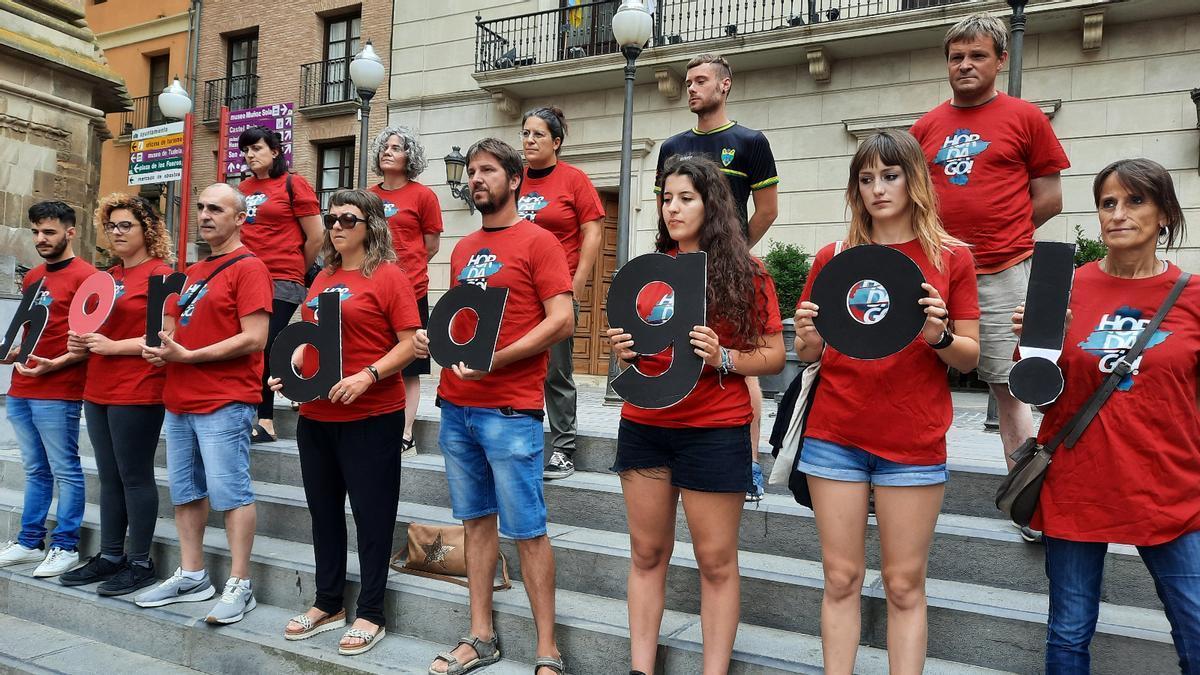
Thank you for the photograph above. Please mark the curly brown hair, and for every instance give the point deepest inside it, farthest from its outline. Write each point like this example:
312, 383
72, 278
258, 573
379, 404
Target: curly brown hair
732, 270
154, 229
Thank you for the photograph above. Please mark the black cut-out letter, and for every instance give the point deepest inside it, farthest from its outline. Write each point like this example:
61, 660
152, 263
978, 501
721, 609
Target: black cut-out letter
325, 335
477, 352
1036, 378
32, 313
161, 288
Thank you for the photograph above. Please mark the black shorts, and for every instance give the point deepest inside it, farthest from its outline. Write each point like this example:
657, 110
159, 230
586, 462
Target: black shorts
419, 366
703, 459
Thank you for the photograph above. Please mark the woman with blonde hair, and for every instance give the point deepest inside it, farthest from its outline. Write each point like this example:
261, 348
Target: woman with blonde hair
902, 453
123, 400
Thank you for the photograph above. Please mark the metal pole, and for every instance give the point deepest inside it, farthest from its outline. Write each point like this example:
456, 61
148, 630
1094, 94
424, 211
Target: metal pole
185, 188
170, 211
1016, 51
623, 224
364, 114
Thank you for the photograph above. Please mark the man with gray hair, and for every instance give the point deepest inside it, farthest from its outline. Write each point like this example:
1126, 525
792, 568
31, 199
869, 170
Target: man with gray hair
995, 164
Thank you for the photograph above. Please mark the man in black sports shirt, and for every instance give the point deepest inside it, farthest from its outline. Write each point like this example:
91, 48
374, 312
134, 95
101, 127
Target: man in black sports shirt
745, 158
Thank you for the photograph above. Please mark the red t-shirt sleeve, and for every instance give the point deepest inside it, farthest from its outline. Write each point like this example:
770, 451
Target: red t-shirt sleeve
962, 299
588, 206
430, 213
254, 287
823, 256
548, 261
766, 285
1046, 155
401, 304
305, 202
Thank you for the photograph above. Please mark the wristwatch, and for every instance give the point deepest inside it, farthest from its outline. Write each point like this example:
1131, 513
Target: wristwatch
374, 373
947, 338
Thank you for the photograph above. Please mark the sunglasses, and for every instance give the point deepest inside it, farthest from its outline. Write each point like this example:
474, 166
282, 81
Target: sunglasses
348, 220
123, 226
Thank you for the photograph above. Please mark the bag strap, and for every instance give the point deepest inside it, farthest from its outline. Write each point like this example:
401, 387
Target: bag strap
1070, 433
187, 302
291, 193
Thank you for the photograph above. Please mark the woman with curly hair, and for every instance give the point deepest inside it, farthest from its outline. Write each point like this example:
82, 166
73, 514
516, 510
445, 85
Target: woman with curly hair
699, 448
122, 400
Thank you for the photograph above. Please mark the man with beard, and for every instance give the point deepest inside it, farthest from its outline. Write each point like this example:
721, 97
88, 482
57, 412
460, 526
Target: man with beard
44, 402
745, 158
491, 427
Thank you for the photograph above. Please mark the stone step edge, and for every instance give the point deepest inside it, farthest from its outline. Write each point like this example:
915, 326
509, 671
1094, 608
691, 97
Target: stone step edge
578, 610
71, 646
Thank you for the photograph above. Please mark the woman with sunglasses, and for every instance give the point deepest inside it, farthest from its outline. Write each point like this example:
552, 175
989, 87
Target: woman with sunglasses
123, 400
283, 228
347, 438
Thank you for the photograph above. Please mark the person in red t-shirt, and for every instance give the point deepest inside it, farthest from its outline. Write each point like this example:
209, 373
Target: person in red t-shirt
283, 228
491, 429
123, 400
212, 342
44, 400
698, 448
995, 163
902, 452
347, 438
414, 216
1131, 477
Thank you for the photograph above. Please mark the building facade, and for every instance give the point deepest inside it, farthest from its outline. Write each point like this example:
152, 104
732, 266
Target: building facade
814, 75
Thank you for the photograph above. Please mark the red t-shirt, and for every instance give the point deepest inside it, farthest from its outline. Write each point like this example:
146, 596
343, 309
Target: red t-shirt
374, 309
530, 263
561, 202
127, 380
239, 290
981, 160
897, 407
272, 230
412, 211
1132, 478
717, 400
65, 384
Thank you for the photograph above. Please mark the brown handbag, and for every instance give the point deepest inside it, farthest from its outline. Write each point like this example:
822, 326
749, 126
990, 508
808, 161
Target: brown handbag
440, 552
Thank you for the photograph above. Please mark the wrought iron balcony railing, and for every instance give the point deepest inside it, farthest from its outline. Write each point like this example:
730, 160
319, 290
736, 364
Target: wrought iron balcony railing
325, 82
236, 93
145, 113
586, 29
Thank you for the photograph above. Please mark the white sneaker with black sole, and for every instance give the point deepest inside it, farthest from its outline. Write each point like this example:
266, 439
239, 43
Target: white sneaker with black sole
178, 588
57, 561
559, 466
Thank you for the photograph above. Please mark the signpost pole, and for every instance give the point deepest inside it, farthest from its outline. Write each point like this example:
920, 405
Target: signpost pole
185, 185
221, 143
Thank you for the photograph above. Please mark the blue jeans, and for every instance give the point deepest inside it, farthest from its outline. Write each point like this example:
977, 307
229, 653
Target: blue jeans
1076, 571
48, 432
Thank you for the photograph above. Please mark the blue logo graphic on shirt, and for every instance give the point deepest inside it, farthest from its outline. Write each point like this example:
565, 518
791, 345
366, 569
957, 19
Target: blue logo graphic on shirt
342, 290
727, 156
662, 311
1114, 335
43, 297
120, 290
529, 205
479, 267
958, 153
186, 317
252, 203
868, 302
389, 210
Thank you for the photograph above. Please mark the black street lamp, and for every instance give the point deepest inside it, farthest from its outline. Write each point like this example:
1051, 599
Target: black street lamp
455, 164
1016, 52
367, 73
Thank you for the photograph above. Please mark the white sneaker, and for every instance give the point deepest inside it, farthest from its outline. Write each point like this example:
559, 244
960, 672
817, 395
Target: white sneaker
12, 553
57, 561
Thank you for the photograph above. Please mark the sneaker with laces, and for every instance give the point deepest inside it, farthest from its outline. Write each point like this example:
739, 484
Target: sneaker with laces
559, 466
130, 578
96, 569
757, 487
13, 553
57, 561
237, 599
177, 589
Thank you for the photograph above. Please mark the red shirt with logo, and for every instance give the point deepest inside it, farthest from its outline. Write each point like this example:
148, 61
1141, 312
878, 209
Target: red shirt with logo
239, 290
981, 160
374, 309
897, 407
127, 380
561, 202
717, 400
272, 230
1132, 477
65, 384
531, 264
412, 211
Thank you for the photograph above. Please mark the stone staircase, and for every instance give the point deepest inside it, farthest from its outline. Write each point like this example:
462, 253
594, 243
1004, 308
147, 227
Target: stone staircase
987, 602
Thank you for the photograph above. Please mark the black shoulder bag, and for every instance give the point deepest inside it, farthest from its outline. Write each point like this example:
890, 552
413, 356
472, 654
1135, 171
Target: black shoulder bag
1021, 490
187, 302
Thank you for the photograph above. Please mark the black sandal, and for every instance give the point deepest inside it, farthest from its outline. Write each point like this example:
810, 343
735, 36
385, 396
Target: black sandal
261, 435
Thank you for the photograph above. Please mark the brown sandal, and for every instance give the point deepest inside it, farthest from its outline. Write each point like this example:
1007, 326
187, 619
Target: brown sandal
310, 628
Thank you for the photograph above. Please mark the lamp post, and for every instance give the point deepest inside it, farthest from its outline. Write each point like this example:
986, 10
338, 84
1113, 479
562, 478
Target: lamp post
455, 164
632, 27
175, 103
367, 73
1017, 51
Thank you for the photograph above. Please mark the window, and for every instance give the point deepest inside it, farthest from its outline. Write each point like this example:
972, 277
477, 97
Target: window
336, 170
160, 68
341, 44
242, 72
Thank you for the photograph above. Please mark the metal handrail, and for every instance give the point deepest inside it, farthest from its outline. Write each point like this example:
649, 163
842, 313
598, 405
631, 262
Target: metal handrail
145, 113
324, 82
236, 93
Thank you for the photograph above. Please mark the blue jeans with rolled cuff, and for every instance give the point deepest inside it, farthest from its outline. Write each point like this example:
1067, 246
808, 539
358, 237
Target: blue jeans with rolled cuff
48, 433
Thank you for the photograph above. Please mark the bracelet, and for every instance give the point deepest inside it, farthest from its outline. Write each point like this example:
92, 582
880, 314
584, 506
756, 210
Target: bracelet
947, 338
373, 372
726, 366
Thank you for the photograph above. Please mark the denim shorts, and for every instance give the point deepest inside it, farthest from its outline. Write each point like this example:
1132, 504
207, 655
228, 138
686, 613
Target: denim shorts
713, 459
845, 463
494, 465
208, 455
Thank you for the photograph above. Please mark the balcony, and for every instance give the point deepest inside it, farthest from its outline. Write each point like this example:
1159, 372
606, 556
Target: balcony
235, 93
326, 88
145, 113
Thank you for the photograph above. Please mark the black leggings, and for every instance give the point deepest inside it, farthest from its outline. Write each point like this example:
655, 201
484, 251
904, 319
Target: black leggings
125, 438
361, 458
281, 314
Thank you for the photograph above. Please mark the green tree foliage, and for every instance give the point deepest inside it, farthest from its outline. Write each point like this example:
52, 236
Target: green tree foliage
788, 265
1086, 249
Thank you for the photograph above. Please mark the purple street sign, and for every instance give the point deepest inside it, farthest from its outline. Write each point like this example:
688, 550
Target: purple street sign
277, 116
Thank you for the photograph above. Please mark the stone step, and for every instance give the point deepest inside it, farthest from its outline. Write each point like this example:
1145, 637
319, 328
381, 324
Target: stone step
592, 630
28, 647
986, 552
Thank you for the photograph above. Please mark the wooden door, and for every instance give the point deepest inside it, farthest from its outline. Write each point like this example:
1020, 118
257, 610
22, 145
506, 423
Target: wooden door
591, 346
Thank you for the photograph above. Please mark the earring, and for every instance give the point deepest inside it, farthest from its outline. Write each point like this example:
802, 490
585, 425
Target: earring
1163, 234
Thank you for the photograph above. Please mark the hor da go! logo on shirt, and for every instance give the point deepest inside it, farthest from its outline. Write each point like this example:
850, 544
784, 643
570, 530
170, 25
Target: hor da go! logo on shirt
957, 155
252, 203
389, 209
868, 302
